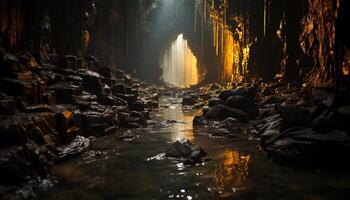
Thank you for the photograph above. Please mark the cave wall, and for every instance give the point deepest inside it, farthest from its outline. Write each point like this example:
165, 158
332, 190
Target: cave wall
297, 40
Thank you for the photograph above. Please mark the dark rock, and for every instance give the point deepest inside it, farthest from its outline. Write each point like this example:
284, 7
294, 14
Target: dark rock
243, 102
17, 88
137, 105
229, 123
7, 105
106, 71
127, 97
215, 101
324, 123
220, 112
39, 108
68, 61
198, 106
92, 82
199, 121
107, 100
66, 92
225, 94
184, 150
133, 119
189, 101
118, 89
49, 97
119, 73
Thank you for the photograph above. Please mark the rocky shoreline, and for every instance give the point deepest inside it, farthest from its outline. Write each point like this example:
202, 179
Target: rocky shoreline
49, 110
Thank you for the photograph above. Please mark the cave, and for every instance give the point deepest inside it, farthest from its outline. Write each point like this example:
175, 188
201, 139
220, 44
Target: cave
174, 99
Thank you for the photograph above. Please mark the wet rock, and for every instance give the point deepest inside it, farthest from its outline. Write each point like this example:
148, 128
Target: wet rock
295, 115
105, 71
199, 121
133, 119
243, 102
225, 94
220, 112
305, 143
68, 61
17, 88
189, 101
127, 97
215, 101
198, 106
48, 97
66, 92
137, 106
92, 82
75, 148
39, 108
324, 123
118, 89
7, 105
184, 150
229, 123
344, 117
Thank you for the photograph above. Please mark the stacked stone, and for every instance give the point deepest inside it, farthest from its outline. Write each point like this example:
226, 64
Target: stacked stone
44, 106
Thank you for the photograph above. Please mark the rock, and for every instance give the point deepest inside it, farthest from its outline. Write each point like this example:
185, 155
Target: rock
220, 112
215, 101
137, 106
324, 123
225, 94
184, 150
243, 102
344, 117
68, 61
189, 101
39, 108
133, 119
106, 71
17, 88
118, 89
48, 97
66, 92
127, 97
199, 121
229, 123
7, 105
92, 82
75, 148
198, 106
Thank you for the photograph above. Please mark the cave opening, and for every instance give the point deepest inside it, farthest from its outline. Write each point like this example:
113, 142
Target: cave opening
179, 65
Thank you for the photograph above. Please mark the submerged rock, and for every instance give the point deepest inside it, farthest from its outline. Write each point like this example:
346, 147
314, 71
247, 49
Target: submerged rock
186, 152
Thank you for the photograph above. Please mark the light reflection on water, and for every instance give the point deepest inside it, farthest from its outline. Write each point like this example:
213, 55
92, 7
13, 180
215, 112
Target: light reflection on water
232, 170
129, 174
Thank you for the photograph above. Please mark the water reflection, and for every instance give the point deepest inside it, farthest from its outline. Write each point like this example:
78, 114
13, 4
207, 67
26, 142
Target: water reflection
233, 170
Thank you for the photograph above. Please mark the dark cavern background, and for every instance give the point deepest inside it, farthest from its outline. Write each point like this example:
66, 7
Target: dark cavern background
97, 96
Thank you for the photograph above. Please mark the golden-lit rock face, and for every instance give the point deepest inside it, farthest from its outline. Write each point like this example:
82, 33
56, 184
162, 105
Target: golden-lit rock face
232, 52
318, 39
179, 65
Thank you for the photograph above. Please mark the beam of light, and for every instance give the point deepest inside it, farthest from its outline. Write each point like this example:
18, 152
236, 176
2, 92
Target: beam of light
179, 65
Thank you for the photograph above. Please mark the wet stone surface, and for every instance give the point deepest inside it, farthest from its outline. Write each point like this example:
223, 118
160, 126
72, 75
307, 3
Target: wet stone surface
132, 164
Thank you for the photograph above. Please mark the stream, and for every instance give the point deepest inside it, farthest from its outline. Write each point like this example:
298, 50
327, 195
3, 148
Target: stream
134, 168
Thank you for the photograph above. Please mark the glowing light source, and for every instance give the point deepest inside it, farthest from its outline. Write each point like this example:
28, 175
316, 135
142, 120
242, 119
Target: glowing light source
179, 65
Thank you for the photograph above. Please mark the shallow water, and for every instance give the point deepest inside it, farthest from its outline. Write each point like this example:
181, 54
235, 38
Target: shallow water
236, 170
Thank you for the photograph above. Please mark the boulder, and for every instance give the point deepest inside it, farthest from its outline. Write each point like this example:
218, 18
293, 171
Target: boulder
183, 150
189, 101
220, 112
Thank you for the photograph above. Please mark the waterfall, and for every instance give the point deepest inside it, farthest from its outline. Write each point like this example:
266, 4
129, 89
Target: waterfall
179, 65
